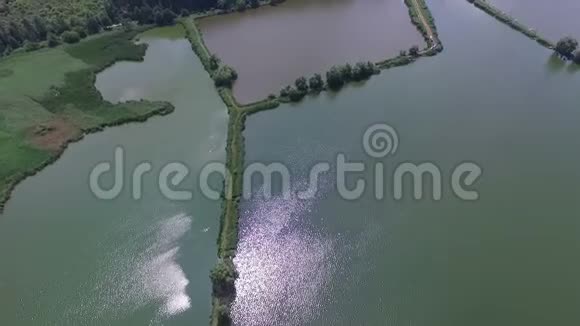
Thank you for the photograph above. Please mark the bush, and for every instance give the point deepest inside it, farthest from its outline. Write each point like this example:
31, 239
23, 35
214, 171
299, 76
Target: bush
363, 70
184, 13
316, 83
31, 46
346, 72
285, 92
214, 62
225, 76
223, 277
301, 84
414, 51
81, 31
70, 37
334, 78
566, 47
52, 40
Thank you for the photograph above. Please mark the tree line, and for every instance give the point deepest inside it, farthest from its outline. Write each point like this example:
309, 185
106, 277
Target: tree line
34, 31
335, 79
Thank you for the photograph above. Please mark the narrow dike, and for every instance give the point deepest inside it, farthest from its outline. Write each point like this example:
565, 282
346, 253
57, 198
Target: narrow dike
224, 274
511, 22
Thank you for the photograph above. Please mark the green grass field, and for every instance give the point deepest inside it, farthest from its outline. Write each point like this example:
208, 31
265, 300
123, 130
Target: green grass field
48, 98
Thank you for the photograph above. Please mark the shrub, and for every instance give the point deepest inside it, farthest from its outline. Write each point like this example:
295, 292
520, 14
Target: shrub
31, 46
285, 92
225, 76
566, 47
223, 276
70, 37
363, 70
52, 40
414, 51
301, 84
316, 83
346, 72
334, 78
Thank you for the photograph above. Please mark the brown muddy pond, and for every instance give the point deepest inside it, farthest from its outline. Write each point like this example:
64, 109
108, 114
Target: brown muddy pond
552, 19
272, 46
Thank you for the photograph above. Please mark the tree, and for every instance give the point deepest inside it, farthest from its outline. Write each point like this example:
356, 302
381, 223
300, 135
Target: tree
285, 92
52, 40
225, 76
81, 31
301, 84
316, 83
70, 37
566, 47
346, 72
29, 30
334, 78
59, 26
223, 276
31, 46
363, 70
402, 53
414, 51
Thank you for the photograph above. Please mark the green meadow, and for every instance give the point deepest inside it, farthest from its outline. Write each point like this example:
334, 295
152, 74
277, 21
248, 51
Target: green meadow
48, 99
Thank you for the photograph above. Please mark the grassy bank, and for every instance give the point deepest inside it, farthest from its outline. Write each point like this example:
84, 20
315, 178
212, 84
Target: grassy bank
41, 113
511, 22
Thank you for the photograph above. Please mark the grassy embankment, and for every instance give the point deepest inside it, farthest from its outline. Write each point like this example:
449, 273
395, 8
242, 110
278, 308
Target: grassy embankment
422, 19
511, 22
48, 100
233, 187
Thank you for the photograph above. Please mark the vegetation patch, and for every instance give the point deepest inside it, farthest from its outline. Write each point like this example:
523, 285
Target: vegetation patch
6, 73
40, 114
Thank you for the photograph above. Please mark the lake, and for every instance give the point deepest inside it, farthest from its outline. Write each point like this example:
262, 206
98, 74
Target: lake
71, 259
552, 19
509, 258
271, 47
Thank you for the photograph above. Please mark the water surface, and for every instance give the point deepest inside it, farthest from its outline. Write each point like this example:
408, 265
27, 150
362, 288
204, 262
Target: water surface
553, 19
272, 46
510, 258
71, 259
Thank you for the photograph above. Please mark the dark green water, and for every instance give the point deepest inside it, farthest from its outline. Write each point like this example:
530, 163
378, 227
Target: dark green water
511, 258
68, 258
553, 19
272, 46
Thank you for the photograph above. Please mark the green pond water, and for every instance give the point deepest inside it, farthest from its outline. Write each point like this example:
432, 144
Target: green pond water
552, 19
493, 97
317, 34
68, 258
